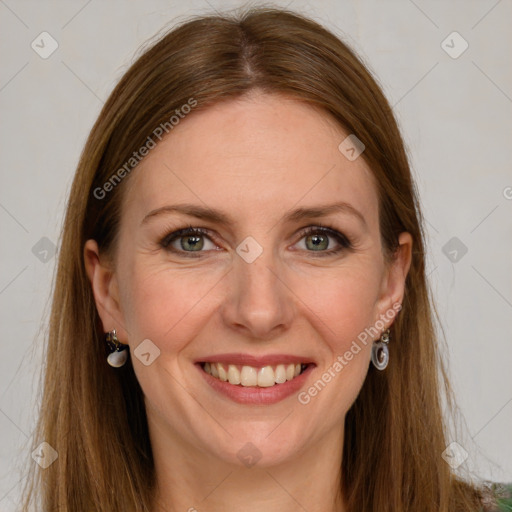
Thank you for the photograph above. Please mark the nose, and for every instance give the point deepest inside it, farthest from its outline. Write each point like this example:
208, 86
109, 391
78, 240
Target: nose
259, 304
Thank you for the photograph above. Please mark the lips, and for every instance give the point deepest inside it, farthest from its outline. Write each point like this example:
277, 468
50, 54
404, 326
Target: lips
254, 379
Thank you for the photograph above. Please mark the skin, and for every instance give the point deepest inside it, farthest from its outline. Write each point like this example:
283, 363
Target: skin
256, 159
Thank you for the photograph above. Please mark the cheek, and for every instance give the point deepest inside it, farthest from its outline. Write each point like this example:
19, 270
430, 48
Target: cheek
169, 307
166, 306
346, 311
344, 302
344, 307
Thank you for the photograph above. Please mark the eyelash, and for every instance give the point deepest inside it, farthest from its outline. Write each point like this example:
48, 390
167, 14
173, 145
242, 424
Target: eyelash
343, 241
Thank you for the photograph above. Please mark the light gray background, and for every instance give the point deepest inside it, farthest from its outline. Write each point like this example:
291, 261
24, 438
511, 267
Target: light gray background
455, 115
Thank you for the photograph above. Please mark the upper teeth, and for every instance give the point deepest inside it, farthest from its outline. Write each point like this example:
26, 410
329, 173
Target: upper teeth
250, 376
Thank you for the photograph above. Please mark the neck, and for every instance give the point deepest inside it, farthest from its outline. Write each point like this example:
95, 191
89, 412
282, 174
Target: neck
193, 481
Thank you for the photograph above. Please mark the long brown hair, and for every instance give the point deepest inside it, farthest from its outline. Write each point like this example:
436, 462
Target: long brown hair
94, 416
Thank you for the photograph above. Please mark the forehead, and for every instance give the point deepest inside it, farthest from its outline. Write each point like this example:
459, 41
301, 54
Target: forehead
254, 157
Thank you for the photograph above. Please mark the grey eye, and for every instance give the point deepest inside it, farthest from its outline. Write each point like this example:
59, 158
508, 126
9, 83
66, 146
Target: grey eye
317, 242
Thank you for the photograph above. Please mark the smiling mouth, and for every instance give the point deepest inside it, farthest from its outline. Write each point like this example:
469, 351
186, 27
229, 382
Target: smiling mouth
263, 377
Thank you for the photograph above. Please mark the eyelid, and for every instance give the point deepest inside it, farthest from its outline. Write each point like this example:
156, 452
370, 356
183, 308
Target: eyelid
343, 241
189, 230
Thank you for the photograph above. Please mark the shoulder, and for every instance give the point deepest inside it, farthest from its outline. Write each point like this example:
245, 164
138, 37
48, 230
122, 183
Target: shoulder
497, 497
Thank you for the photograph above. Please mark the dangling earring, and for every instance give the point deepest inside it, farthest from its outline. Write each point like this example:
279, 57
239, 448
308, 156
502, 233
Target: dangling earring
380, 351
117, 351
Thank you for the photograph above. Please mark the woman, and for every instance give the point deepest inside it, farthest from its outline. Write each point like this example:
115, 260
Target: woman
288, 364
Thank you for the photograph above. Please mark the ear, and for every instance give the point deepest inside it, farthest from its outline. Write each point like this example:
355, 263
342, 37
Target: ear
105, 290
393, 283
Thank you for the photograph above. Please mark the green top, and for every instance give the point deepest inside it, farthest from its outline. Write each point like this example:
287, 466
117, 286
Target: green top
498, 498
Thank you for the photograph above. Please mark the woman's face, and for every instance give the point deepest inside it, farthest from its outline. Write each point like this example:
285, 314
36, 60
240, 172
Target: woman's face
254, 290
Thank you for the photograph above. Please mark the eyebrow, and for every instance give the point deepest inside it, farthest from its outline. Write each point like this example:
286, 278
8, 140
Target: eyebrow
217, 216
